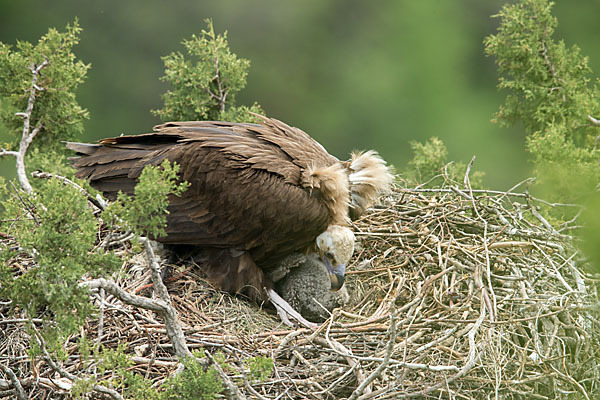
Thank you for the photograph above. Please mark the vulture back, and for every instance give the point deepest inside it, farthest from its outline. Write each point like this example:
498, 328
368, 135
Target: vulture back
254, 187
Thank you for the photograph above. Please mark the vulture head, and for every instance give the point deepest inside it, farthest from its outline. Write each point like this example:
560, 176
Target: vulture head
335, 247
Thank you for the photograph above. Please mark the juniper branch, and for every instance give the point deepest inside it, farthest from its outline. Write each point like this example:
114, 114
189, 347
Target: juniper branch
28, 135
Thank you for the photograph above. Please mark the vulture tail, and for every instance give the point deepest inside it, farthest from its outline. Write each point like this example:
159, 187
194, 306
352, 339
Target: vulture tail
82, 148
109, 169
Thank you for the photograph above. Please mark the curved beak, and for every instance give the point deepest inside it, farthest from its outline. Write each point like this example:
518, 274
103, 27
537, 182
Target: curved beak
336, 273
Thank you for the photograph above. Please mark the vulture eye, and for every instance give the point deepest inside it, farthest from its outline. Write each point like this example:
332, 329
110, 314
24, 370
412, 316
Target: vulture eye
330, 256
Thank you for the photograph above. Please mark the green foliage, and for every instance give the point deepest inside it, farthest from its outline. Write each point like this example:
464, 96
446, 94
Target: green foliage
260, 368
430, 167
549, 92
116, 364
205, 88
564, 171
139, 388
57, 229
82, 387
113, 360
591, 230
40, 159
547, 82
428, 158
145, 213
56, 110
195, 382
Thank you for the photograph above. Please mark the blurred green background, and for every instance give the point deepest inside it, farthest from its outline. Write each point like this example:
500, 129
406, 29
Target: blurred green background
353, 74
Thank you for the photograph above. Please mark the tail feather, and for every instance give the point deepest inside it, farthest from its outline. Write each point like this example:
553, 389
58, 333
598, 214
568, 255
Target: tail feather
82, 148
109, 169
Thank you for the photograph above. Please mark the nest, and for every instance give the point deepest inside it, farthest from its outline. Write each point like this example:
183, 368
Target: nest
454, 294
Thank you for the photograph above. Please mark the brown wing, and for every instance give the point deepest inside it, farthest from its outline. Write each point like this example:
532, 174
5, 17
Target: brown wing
245, 180
292, 143
112, 167
304, 150
230, 205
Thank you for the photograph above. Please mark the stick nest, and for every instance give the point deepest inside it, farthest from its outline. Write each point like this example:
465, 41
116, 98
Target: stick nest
454, 294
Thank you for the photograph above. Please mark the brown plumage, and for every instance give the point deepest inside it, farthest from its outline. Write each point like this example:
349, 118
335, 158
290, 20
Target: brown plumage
258, 192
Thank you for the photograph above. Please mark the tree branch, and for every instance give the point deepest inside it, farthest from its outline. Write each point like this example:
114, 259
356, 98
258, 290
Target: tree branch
172, 324
384, 364
67, 181
21, 395
161, 306
593, 120
233, 393
4, 152
28, 135
131, 299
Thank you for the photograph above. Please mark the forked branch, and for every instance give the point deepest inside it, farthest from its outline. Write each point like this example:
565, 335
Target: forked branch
28, 133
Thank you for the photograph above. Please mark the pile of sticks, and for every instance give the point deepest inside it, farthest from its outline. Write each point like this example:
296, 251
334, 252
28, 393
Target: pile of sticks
455, 293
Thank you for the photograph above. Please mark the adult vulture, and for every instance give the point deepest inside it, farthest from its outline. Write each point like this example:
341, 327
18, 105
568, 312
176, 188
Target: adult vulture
258, 192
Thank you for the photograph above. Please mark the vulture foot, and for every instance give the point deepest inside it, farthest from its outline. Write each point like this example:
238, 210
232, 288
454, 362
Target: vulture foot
284, 310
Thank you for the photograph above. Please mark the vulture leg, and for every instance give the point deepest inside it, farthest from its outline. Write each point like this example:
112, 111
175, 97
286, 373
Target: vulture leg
284, 310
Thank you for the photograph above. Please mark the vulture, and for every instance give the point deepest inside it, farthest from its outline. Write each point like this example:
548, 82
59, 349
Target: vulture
258, 193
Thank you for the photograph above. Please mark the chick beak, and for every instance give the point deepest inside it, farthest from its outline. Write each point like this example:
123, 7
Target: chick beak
336, 274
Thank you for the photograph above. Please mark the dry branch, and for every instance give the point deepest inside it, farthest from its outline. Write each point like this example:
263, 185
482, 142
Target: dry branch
67, 181
28, 134
16, 384
487, 301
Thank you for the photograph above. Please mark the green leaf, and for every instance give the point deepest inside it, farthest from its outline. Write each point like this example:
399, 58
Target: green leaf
56, 109
57, 230
549, 91
204, 87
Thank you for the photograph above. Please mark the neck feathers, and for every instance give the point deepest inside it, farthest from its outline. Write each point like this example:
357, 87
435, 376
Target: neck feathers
332, 184
369, 177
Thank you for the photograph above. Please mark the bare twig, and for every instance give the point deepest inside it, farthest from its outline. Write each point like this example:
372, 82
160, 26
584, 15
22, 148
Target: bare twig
468, 172
27, 205
388, 353
251, 389
509, 193
593, 120
232, 391
67, 181
221, 98
28, 134
100, 317
172, 323
19, 391
446, 261
64, 373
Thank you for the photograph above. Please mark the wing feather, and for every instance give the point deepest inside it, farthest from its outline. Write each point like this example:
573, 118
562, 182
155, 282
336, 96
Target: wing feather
246, 182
